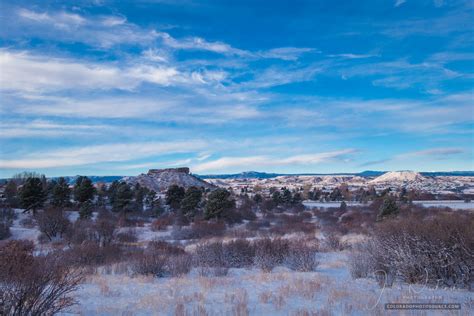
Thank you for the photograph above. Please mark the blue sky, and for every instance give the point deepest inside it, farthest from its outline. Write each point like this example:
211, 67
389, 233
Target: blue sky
104, 87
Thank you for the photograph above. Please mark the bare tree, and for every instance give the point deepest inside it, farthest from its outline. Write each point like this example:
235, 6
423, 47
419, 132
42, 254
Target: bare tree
32, 285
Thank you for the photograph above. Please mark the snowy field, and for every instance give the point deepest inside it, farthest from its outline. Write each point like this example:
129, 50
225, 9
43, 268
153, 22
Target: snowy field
328, 291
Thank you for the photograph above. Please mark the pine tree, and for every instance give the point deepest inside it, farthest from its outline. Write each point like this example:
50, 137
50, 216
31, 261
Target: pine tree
123, 198
218, 203
83, 189
11, 194
174, 195
32, 194
191, 201
85, 211
389, 208
61, 193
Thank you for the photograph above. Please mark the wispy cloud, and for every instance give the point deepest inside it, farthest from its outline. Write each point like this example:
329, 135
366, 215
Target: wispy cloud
251, 162
77, 156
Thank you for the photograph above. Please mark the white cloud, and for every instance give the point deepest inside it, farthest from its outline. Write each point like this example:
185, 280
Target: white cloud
252, 162
22, 71
77, 156
399, 2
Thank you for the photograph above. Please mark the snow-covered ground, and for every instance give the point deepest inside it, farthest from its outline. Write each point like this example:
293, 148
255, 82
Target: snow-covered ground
328, 291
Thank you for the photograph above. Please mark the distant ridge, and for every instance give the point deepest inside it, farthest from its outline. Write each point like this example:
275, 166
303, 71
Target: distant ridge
264, 175
367, 173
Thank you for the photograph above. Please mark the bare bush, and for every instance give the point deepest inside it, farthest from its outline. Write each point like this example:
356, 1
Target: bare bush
437, 250
239, 253
161, 259
201, 229
210, 255
127, 236
91, 254
301, 256
270, 252
161, 223
360, 264
53, 223
6, 217
150, 263
178, 265
32, 285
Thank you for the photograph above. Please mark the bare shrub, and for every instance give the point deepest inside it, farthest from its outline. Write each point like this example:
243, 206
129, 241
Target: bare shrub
161, 223
270, 252
178, 265
165, 248
81, 231
257, 225
239, 253
32, 285
333, 242
150, 264
161, 259
301, 256
105, 228
6, 218
200, 229
360, 264
436, 250
210, 255
53, 223
91, 254
128, 236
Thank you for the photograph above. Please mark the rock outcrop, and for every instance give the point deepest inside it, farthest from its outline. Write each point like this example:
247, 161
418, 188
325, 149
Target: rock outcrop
159, 180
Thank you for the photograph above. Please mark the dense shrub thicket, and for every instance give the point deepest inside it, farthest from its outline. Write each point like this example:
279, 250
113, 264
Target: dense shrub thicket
437, 250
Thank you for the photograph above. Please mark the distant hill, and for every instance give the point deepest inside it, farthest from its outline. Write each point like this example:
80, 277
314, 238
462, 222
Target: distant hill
264, 175
367, 173
161, 179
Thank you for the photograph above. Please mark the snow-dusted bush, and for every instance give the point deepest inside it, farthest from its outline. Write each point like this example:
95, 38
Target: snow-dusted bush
210, 255
270, 253
436, 250
178, 265
301, 256
161, 259
150, 264
127, 236
34, 285
6, 217
361, 264
53, 223
239, 253
200, 229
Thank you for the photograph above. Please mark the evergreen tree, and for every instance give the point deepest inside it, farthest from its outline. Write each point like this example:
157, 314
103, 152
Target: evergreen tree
111, 191
276, 198
286, 197
296, 198
11, 194
191, 201
343, 206
83, 189
257, 198
139, 193
85, 211
174, 195
32, 194
218, 203
389, 208
60, 193
123, 198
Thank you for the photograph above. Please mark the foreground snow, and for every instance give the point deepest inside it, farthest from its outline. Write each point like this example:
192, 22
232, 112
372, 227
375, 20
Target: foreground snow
328, 291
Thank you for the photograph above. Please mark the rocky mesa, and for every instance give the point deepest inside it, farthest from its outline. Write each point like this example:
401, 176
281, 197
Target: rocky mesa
159, 180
